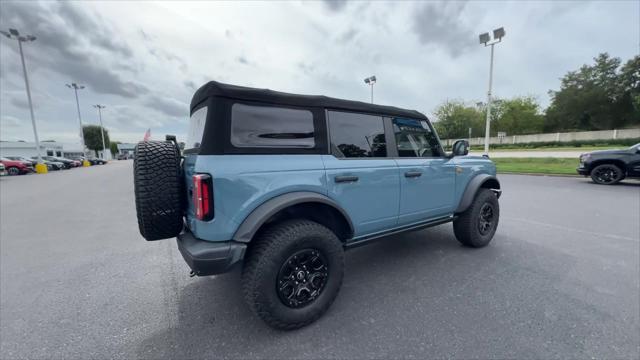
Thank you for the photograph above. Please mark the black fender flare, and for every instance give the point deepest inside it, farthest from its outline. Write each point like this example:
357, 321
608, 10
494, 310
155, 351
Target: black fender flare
262, 213
472, 189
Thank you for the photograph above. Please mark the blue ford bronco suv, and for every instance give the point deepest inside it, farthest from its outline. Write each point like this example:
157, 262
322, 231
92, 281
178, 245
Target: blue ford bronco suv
282, 184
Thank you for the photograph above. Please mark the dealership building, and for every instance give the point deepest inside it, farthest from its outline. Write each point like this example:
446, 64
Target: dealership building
47, 148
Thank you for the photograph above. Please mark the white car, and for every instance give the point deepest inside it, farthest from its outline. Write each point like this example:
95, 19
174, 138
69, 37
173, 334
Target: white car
3, 171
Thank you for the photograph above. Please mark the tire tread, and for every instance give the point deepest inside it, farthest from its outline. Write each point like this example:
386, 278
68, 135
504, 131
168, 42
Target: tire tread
158, 187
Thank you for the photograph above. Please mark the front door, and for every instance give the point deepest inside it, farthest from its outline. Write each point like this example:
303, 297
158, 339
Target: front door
427, 177
360, 176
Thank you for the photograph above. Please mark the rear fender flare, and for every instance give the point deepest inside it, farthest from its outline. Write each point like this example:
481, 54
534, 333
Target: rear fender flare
265, 211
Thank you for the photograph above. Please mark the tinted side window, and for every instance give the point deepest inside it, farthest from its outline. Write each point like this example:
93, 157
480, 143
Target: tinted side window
267, 126
357, 135
415, 138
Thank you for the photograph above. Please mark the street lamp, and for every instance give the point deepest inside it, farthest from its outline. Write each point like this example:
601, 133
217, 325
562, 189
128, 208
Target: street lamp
485, 39
371, 80
14, 34
75, 88
100, 107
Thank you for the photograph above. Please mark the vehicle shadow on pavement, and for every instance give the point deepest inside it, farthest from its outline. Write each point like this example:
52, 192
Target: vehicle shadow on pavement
212, 314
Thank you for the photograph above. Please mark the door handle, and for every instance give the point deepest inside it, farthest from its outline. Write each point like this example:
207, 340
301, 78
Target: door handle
349, 178
411, 174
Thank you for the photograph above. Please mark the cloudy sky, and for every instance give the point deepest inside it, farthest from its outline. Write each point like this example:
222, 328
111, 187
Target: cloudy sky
144, 60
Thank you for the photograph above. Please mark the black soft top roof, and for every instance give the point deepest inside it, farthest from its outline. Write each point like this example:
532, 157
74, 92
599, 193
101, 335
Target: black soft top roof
214, 88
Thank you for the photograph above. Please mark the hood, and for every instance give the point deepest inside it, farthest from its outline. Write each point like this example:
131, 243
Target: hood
609, 152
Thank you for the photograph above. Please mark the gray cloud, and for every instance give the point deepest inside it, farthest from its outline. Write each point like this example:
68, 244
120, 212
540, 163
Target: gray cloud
10, 121
440, 24
307, 69
74, 43
19, 102
335, 5
168, 106
190, 85
159, 53
243, 60
348, 35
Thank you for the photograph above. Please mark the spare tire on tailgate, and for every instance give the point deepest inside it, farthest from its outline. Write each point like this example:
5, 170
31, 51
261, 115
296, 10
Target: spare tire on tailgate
158, 185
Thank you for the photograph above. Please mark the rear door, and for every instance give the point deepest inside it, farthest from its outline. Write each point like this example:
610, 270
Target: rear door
360, 175
427, 177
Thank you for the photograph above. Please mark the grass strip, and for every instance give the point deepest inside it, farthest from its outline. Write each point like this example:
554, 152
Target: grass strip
560, 166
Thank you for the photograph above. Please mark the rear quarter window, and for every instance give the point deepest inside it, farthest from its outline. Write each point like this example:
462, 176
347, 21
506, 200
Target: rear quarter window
196, 128
271, 127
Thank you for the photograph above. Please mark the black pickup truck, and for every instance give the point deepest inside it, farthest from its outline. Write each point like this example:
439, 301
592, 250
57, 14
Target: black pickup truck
607, 167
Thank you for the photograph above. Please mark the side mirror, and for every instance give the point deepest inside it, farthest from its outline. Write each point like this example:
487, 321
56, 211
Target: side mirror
460, 148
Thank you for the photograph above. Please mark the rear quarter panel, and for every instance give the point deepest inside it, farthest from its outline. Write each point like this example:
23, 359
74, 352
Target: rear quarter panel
241, 183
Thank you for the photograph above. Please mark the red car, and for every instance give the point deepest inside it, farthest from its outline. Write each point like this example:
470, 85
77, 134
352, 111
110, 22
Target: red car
16, 167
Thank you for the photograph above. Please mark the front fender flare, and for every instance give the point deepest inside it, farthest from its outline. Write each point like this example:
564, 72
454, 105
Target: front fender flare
472, 189
262, 213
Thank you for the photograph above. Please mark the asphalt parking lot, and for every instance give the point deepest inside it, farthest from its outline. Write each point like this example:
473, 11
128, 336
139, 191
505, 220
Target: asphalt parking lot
560, 280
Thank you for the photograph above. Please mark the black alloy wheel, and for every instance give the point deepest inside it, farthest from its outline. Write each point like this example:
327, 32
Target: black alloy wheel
302, 277
606, 174
486, 219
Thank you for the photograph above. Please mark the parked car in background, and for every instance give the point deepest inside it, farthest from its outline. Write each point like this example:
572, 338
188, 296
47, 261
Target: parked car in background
97, 161
80, 159
53, 165
3, 171
607, 167
16, 167
23, 159
123, 157
68, 164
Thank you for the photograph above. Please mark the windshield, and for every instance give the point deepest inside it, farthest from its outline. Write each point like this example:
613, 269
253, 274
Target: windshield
196, 128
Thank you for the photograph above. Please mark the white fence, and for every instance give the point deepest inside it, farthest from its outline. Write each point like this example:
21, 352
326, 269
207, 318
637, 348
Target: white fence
550, 137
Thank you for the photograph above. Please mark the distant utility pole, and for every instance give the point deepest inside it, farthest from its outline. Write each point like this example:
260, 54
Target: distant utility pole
75, 88
371, 80
14, 34
100, 107
485, 39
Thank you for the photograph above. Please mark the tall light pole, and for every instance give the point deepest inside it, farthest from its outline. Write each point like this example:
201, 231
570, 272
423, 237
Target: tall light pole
485, 39
75, 88
371, 80
100, 107
14, 34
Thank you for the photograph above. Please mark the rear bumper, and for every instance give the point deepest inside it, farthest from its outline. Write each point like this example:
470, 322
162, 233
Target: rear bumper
209, 257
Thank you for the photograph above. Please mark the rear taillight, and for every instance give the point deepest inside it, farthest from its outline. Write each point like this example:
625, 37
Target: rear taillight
203, 196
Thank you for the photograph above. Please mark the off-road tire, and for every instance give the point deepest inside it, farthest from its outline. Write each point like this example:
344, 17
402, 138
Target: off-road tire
267, 254
159, 189
615, 176
466, 226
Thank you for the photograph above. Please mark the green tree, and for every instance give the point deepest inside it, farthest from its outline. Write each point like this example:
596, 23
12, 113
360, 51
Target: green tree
455, 118
93, 137
113, 146
517, 116
596, 97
